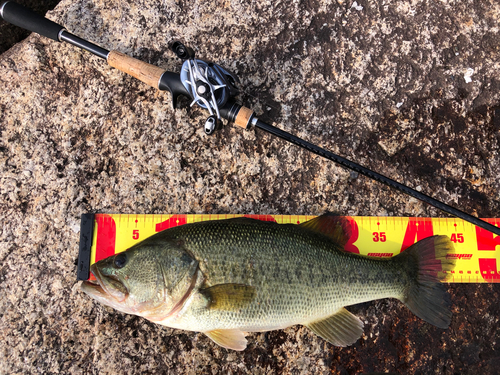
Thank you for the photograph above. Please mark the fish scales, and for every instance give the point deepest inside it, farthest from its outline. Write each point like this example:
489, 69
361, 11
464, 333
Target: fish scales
298, 275
228, 277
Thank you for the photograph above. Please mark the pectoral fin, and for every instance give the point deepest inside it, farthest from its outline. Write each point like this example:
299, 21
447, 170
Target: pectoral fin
341, 329
229, 297
228, 338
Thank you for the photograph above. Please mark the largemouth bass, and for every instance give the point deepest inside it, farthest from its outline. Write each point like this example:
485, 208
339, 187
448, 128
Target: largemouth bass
229, 277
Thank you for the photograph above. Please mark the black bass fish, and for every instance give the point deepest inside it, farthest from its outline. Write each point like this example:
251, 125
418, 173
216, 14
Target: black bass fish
228, 277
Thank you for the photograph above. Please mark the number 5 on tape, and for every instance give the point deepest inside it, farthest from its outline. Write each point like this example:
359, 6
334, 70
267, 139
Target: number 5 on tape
477, 250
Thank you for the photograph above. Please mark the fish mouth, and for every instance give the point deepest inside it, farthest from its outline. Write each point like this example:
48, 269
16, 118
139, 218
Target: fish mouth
105, 286
94, 286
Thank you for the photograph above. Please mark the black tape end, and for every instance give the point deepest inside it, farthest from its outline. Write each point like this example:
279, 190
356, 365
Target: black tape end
86, 235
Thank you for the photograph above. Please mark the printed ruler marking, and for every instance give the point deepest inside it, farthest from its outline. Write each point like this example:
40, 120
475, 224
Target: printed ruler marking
477, 250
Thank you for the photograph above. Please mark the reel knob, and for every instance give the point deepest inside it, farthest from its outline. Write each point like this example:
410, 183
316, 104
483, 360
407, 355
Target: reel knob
211, 124
182, 51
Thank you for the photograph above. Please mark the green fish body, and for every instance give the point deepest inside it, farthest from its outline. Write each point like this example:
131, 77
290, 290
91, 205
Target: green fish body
228, 277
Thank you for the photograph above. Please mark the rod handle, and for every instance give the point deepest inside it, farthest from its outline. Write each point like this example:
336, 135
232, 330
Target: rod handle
241, 116
147, 73
150, 74
27, 19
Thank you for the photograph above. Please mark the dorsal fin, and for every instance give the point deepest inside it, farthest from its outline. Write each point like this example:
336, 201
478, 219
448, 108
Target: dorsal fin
331, 225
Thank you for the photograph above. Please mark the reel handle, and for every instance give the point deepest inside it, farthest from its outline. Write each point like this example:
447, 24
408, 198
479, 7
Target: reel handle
27, 19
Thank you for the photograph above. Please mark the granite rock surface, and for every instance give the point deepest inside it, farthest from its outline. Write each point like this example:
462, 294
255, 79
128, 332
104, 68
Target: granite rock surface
410, 89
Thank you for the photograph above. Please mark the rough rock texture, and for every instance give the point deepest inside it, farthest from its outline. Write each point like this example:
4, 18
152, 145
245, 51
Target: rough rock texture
408, 88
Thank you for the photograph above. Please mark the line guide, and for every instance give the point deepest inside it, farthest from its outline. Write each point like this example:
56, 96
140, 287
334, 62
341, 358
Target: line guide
477, 249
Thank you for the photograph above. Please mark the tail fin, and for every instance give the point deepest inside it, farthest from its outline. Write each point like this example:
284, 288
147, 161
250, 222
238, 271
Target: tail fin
426, 297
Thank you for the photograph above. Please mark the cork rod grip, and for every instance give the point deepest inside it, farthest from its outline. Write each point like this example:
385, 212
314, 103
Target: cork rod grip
147, 73
244, 117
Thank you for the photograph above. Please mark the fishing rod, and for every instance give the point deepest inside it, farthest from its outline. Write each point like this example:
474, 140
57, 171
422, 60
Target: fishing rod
211, 87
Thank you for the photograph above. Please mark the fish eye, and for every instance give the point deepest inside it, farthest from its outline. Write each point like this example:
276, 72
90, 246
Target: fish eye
120, 260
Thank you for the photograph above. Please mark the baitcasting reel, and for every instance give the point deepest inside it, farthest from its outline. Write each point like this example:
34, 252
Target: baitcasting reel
212, 88
209, 84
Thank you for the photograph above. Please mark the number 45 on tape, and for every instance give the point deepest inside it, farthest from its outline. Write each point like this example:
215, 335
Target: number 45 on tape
477, 250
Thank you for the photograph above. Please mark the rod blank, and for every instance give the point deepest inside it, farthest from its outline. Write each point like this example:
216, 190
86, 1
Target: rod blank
84, 44
375, 176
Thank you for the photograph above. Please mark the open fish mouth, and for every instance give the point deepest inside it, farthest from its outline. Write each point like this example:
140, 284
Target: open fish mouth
105, 286
94, 286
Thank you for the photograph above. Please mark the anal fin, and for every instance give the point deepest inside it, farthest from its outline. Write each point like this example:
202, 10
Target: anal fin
340, 329
228, 338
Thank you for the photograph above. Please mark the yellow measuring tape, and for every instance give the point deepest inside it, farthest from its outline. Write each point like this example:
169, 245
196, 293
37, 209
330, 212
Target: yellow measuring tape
477, 250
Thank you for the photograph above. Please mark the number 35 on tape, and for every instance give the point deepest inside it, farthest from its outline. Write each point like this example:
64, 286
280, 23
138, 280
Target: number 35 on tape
477, 250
